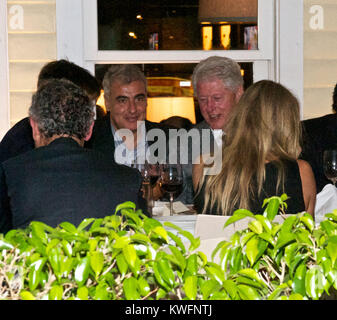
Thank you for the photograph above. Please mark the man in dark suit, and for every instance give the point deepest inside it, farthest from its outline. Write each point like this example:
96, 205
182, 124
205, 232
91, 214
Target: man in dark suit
125, 96
60, 180
320, 134
123, 134
19, 138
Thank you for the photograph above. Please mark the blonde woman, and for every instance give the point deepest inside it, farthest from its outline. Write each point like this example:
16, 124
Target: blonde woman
260, 156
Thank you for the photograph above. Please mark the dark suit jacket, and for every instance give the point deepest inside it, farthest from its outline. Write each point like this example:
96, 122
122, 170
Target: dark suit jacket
103, 140
17, 140
319, 134
65, 182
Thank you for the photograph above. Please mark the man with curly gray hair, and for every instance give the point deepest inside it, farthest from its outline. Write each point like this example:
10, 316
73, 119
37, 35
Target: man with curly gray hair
60, 180
61, 109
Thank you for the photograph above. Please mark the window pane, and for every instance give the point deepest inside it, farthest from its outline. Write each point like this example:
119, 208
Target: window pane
172, 81
177, 24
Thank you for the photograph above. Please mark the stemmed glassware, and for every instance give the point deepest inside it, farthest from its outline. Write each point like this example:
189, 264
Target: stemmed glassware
330, 165
171, 181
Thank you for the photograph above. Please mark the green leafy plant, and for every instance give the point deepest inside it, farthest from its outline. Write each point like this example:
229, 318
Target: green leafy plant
290, 260
126, 256
130, 256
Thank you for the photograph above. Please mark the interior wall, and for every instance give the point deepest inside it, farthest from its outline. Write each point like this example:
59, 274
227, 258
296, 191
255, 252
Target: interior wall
320, 56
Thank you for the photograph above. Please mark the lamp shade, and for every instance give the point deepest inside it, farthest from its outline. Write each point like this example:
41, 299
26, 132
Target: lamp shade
215, 11
160, 108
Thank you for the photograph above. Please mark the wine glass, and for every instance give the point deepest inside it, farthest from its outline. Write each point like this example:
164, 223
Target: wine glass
330, 165
143, 168
171, 181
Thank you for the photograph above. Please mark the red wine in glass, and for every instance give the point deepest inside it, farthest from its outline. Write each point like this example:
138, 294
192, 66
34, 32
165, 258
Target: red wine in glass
175, 187
171, 181
330, 165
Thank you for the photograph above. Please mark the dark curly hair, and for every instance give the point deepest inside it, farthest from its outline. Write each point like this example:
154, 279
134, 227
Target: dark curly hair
60, 107
334, 99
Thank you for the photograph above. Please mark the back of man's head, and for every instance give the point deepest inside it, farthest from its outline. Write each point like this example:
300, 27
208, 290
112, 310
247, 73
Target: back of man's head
61, 108
63, 69
334, 99
124, 74
223, 68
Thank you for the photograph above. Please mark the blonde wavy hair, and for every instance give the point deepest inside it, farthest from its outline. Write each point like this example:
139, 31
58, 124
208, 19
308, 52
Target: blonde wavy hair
264, 126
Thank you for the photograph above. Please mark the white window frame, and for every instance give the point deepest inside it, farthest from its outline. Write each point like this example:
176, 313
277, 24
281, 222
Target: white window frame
279, 57
4, 67
264, 55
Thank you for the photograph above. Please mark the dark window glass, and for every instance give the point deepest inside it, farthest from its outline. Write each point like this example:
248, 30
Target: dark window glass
175, 25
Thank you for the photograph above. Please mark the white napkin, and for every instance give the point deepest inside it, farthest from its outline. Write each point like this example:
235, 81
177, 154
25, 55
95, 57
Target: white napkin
162, 208
326, 201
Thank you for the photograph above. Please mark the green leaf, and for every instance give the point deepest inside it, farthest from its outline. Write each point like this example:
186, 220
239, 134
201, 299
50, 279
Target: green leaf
192, 265
67, 248
255, 226
158, 276
267, 226
284, 239
289, 253
220, 246
272, 208
248, 293
190, 287
166, 272
125, 205
150, 224
121, 242
295, 296
177, 241
130, 287
84, 224
83, 293
140, 238
97, 262
238, 215
161, 232
39, 231
130, 255
314, 282
26, 295
5, 245
308, 221
82, 271
252, 274
69, 227
122, 264
33, 279
299, 279
267, 237
179, 258
230, 288
255, 248
56, 293
332, 248
144, 287
209, 287
54, 257
215, 272
101, 292
280, 289
114, 222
